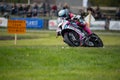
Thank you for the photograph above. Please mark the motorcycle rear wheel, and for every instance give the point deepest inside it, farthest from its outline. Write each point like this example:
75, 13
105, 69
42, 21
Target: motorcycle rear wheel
96, 40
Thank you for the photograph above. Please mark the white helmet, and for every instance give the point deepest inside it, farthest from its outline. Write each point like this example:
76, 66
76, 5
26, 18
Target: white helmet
63, 13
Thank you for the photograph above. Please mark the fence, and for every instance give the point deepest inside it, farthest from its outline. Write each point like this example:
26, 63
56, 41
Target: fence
36, 23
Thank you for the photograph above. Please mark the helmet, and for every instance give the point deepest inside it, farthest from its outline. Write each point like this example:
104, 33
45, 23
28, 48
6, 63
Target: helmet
63, 13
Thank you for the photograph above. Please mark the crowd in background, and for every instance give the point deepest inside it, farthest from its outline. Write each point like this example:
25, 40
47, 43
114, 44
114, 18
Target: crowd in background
45, 9
99, 15
35, 10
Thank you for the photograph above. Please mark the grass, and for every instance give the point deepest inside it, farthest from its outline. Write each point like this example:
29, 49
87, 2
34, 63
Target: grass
42, 56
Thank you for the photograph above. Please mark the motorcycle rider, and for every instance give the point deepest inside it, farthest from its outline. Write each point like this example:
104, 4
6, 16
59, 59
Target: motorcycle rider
65, 14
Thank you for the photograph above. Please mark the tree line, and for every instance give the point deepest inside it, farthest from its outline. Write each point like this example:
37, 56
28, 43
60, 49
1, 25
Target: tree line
106, 3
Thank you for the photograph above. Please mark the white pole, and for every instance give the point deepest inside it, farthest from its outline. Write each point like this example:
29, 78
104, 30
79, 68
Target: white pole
28, 1
85, 4
15, 39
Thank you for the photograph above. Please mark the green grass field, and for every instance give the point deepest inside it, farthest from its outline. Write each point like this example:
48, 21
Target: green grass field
41, 56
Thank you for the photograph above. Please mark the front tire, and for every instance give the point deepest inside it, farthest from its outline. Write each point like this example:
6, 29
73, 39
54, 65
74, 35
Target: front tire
72, 38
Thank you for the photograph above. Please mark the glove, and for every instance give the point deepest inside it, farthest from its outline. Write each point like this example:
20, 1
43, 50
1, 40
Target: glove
76, 17
58, 33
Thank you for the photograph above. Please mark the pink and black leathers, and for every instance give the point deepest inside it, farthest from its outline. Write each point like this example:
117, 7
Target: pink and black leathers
76, 18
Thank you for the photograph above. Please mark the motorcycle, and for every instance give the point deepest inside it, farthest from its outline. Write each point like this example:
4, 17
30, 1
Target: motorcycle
75, 36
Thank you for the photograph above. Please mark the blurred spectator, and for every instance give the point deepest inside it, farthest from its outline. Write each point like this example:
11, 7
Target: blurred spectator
3, 7
35, 13
14, 9
35, 7
117, 13
29, 13
48, 8
44, 8
66, 6
103, 17
26, 8
35, 10
91, 10
54, 10
20, 10
98, 14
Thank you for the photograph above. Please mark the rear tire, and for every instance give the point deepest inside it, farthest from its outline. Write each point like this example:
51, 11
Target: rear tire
96, 40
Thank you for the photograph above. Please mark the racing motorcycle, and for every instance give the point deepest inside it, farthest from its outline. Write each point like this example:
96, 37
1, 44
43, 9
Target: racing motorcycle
75, 36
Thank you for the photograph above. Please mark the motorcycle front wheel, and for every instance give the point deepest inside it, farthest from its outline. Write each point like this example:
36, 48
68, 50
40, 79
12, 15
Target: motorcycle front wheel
72, 38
